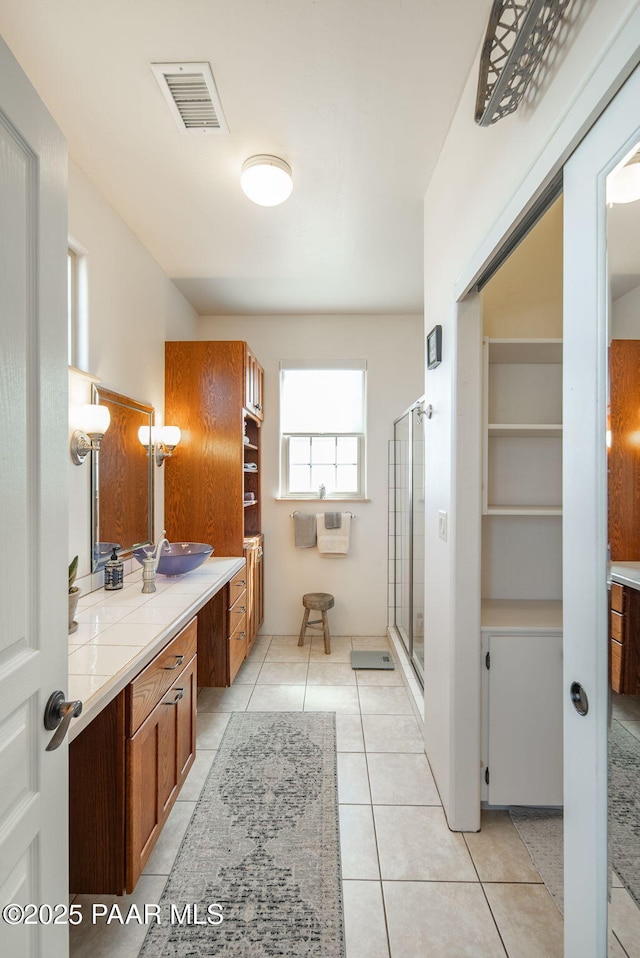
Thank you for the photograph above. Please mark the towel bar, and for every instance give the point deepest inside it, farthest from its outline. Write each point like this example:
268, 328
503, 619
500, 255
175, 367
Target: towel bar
297, 513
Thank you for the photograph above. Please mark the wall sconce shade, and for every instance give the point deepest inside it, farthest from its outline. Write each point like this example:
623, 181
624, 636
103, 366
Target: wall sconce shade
623, 184
94, 420
266, 180
163, 440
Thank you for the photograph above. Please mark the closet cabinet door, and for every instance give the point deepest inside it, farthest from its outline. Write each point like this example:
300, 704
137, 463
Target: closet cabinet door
524, 756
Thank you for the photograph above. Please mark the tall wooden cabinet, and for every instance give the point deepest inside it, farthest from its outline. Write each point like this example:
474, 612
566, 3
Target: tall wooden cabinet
214, 392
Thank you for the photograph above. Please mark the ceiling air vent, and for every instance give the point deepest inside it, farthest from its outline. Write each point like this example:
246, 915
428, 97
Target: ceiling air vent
190, 91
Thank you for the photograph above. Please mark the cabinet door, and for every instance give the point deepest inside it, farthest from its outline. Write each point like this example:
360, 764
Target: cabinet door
258, 606
253, 553
525, 720
159, 757
253, 385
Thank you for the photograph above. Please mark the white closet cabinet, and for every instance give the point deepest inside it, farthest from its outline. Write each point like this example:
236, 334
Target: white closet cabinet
522, 572
522, 699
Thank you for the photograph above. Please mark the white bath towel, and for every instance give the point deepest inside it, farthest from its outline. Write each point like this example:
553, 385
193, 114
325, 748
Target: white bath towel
333, 542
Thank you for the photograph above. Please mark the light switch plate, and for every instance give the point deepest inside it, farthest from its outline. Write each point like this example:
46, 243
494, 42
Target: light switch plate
442, 524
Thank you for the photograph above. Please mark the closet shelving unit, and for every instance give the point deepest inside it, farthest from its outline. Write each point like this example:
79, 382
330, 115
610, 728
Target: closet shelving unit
523, 427
521, 572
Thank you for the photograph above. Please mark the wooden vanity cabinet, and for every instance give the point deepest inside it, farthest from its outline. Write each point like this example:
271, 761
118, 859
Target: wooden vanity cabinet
624, 639
161, 745
127, 768
222, 634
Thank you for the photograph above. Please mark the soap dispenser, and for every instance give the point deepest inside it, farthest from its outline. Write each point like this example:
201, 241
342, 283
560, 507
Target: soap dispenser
114, 572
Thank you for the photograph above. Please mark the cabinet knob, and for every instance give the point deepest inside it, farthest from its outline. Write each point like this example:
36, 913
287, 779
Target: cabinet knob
259, 406
240, 635
179, 660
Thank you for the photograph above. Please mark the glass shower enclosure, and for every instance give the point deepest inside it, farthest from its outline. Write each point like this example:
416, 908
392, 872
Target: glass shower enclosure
406, 533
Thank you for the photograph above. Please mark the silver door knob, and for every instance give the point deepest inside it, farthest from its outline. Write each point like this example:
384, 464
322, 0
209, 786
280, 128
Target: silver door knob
58, 715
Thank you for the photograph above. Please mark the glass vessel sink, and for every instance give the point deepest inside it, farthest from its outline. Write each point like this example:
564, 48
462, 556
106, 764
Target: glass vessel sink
180, 558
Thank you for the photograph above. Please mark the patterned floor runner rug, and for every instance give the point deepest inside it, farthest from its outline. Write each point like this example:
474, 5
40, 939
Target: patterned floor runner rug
262, 849
541, 829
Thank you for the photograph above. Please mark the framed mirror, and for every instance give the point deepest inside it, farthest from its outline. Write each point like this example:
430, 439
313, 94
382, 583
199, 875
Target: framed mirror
121, 480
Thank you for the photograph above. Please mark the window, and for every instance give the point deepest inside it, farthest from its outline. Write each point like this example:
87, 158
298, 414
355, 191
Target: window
322, 429
77, 312
72, 308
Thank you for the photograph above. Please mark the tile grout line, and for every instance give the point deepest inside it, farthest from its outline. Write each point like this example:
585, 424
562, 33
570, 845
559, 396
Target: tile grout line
375, 836
493, 917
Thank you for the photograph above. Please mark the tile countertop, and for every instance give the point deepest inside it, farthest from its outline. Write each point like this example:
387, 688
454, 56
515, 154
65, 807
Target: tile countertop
120, 632
626, 573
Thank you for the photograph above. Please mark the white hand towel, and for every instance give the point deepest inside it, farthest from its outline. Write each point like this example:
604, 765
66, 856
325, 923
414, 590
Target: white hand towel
333, 542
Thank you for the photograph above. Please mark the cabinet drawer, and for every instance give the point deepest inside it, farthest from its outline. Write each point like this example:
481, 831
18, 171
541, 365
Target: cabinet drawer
617, 627
237, 613
237, 647
146, 690
617, 597
617, 661
237, 586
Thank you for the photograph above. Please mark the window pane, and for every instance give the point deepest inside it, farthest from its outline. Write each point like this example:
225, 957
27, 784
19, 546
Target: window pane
322, 400
299, 479
325, 475
347, 478
347, 450
323, 449
299, 449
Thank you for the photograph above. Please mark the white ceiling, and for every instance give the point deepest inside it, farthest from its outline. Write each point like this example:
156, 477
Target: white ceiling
356, 95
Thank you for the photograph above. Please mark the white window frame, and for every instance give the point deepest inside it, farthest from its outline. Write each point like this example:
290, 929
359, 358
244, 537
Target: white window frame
77, 307
360, 493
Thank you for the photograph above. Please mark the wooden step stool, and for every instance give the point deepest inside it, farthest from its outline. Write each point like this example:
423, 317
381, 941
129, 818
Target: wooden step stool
317, 602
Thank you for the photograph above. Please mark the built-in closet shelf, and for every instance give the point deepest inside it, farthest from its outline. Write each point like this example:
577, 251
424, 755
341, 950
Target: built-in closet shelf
523, 510
250, 445
250, 471
254, 502
524, 430
521, 615
525, 350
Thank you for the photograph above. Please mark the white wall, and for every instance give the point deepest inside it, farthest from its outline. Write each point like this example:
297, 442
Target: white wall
392, 347
484, 181
131, 307
625, 316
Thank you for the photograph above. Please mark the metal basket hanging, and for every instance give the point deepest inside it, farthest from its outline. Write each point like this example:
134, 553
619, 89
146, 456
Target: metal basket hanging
518, 35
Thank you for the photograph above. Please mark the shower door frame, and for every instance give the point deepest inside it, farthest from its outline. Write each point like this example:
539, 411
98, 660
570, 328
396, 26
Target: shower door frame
418, 667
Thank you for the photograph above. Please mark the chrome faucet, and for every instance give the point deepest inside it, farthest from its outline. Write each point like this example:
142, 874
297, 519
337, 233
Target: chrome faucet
150, 564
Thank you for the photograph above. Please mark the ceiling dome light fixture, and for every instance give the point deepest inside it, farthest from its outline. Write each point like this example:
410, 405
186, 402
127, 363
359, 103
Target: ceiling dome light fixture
266, 180
623, 184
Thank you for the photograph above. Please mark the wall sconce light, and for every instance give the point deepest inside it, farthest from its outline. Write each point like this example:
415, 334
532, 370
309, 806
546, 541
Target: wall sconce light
95, 421
163, 440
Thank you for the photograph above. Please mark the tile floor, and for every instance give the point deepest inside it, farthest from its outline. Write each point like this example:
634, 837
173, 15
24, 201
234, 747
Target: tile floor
411, 887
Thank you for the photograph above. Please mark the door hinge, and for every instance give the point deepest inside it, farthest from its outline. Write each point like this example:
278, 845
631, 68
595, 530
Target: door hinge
486, 774
487, 660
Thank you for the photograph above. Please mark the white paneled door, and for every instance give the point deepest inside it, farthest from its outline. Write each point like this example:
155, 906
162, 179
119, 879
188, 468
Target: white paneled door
33, 517
586, 298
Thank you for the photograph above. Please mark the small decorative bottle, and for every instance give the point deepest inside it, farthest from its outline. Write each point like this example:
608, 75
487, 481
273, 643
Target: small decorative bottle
114, 572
